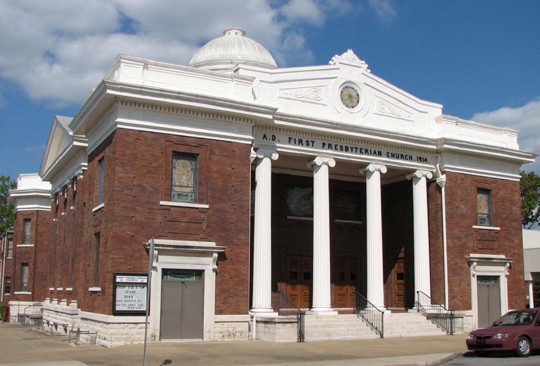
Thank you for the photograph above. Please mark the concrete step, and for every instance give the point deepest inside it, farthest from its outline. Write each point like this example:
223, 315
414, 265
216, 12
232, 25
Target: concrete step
409, 325
336, 327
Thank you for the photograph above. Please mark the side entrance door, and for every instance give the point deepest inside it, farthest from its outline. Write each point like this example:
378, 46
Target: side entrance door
182, 304
489, 300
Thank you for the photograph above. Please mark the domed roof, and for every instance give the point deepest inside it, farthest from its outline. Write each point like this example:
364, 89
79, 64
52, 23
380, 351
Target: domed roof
232, 48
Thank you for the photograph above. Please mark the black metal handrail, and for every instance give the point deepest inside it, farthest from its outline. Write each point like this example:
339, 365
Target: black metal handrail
370, 313
437, 313
287, 307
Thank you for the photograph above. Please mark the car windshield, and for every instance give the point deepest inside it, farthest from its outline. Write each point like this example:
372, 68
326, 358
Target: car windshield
516, 318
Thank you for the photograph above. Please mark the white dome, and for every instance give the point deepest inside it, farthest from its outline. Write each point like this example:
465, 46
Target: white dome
231, 49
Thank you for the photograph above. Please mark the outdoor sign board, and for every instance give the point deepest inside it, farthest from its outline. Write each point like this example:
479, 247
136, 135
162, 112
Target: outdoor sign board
130, 293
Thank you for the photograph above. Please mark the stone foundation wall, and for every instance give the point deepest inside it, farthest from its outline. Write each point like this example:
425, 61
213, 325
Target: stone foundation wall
277, 329
113, 331
20, 311
232, 328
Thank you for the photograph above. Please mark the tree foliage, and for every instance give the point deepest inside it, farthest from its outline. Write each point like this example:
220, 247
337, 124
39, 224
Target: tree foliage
7, 211
530, 199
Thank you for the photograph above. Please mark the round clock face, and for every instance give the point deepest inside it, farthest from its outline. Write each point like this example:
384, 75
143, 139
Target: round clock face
350, 96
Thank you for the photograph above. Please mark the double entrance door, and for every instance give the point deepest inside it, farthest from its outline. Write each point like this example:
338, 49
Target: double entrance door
489, 300
344, 281
182, 304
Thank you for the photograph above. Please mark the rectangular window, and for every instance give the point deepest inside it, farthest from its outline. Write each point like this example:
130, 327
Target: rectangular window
484, 207
24, 277
95, 272
7, 285
27, 230
184, 177
100, 181
10, 249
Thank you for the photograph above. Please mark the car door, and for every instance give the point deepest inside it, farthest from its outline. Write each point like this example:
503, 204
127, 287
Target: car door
536, 331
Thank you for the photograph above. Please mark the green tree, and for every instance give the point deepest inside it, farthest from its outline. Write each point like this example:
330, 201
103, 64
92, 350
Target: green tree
7, 211
530, 199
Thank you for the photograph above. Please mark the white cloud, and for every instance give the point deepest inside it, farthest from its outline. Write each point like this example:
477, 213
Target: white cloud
59, 50
525, 119
303, 10
384, 9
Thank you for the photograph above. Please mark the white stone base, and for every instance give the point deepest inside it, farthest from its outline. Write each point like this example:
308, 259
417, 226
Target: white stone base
21, 311
231, 328
277, 329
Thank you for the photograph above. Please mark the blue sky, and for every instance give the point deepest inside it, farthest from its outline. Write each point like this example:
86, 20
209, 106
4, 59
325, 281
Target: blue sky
480, 59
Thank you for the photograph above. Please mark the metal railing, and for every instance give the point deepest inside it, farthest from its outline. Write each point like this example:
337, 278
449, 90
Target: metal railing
437, 313
370, 313
287, 307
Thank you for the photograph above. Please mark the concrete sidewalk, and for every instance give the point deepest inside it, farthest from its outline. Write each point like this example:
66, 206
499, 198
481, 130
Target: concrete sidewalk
19, 345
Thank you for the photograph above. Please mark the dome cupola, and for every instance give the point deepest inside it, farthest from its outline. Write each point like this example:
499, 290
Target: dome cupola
233, 48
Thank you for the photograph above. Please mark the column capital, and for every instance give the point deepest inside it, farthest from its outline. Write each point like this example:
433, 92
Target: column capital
321, 160
264, 151
420, 174
371, 168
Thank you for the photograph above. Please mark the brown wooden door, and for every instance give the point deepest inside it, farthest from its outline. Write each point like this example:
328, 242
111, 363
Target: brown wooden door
299, 280
344, 279
395, 285
399, 283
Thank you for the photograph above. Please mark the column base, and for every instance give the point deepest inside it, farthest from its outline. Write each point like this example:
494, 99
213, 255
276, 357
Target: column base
322, 311
264, 312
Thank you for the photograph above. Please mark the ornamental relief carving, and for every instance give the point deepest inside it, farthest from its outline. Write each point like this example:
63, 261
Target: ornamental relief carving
388, 109
312, 94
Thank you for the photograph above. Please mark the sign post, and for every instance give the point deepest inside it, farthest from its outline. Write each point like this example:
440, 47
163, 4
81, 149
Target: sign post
150, 263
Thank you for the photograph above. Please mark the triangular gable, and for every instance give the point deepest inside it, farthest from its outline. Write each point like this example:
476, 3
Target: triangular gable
60, 139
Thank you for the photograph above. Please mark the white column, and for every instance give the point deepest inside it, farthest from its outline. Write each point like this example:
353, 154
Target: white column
422, 273
531, 294
321, 235
375, 275
262, 241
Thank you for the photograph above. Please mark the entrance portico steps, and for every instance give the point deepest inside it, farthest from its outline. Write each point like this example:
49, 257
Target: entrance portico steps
409, 324
336, 327
350, 327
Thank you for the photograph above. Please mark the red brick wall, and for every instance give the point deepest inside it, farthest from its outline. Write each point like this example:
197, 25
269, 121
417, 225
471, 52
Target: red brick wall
464, 240
137, 178
40, 237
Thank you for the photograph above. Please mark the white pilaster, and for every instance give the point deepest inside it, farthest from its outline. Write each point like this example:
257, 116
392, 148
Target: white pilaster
262, 241
375, 275
321, 235
422, 273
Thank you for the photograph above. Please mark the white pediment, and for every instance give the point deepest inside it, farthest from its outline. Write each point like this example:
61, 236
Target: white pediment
60, 139
317, 92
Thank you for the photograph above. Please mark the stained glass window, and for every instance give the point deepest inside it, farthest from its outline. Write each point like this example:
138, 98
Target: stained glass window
27, 230
184, 177
484, 207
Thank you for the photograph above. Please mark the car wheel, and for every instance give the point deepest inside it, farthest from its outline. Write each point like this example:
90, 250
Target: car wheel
523, 347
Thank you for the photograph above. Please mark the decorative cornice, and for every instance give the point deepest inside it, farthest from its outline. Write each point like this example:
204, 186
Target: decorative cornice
195, 113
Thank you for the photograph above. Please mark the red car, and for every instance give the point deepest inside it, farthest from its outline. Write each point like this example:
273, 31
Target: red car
517, 331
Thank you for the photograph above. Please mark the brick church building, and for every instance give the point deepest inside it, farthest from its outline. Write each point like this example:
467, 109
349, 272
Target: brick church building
256, 189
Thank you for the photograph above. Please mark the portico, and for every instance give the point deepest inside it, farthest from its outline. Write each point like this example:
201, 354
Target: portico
313, 202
